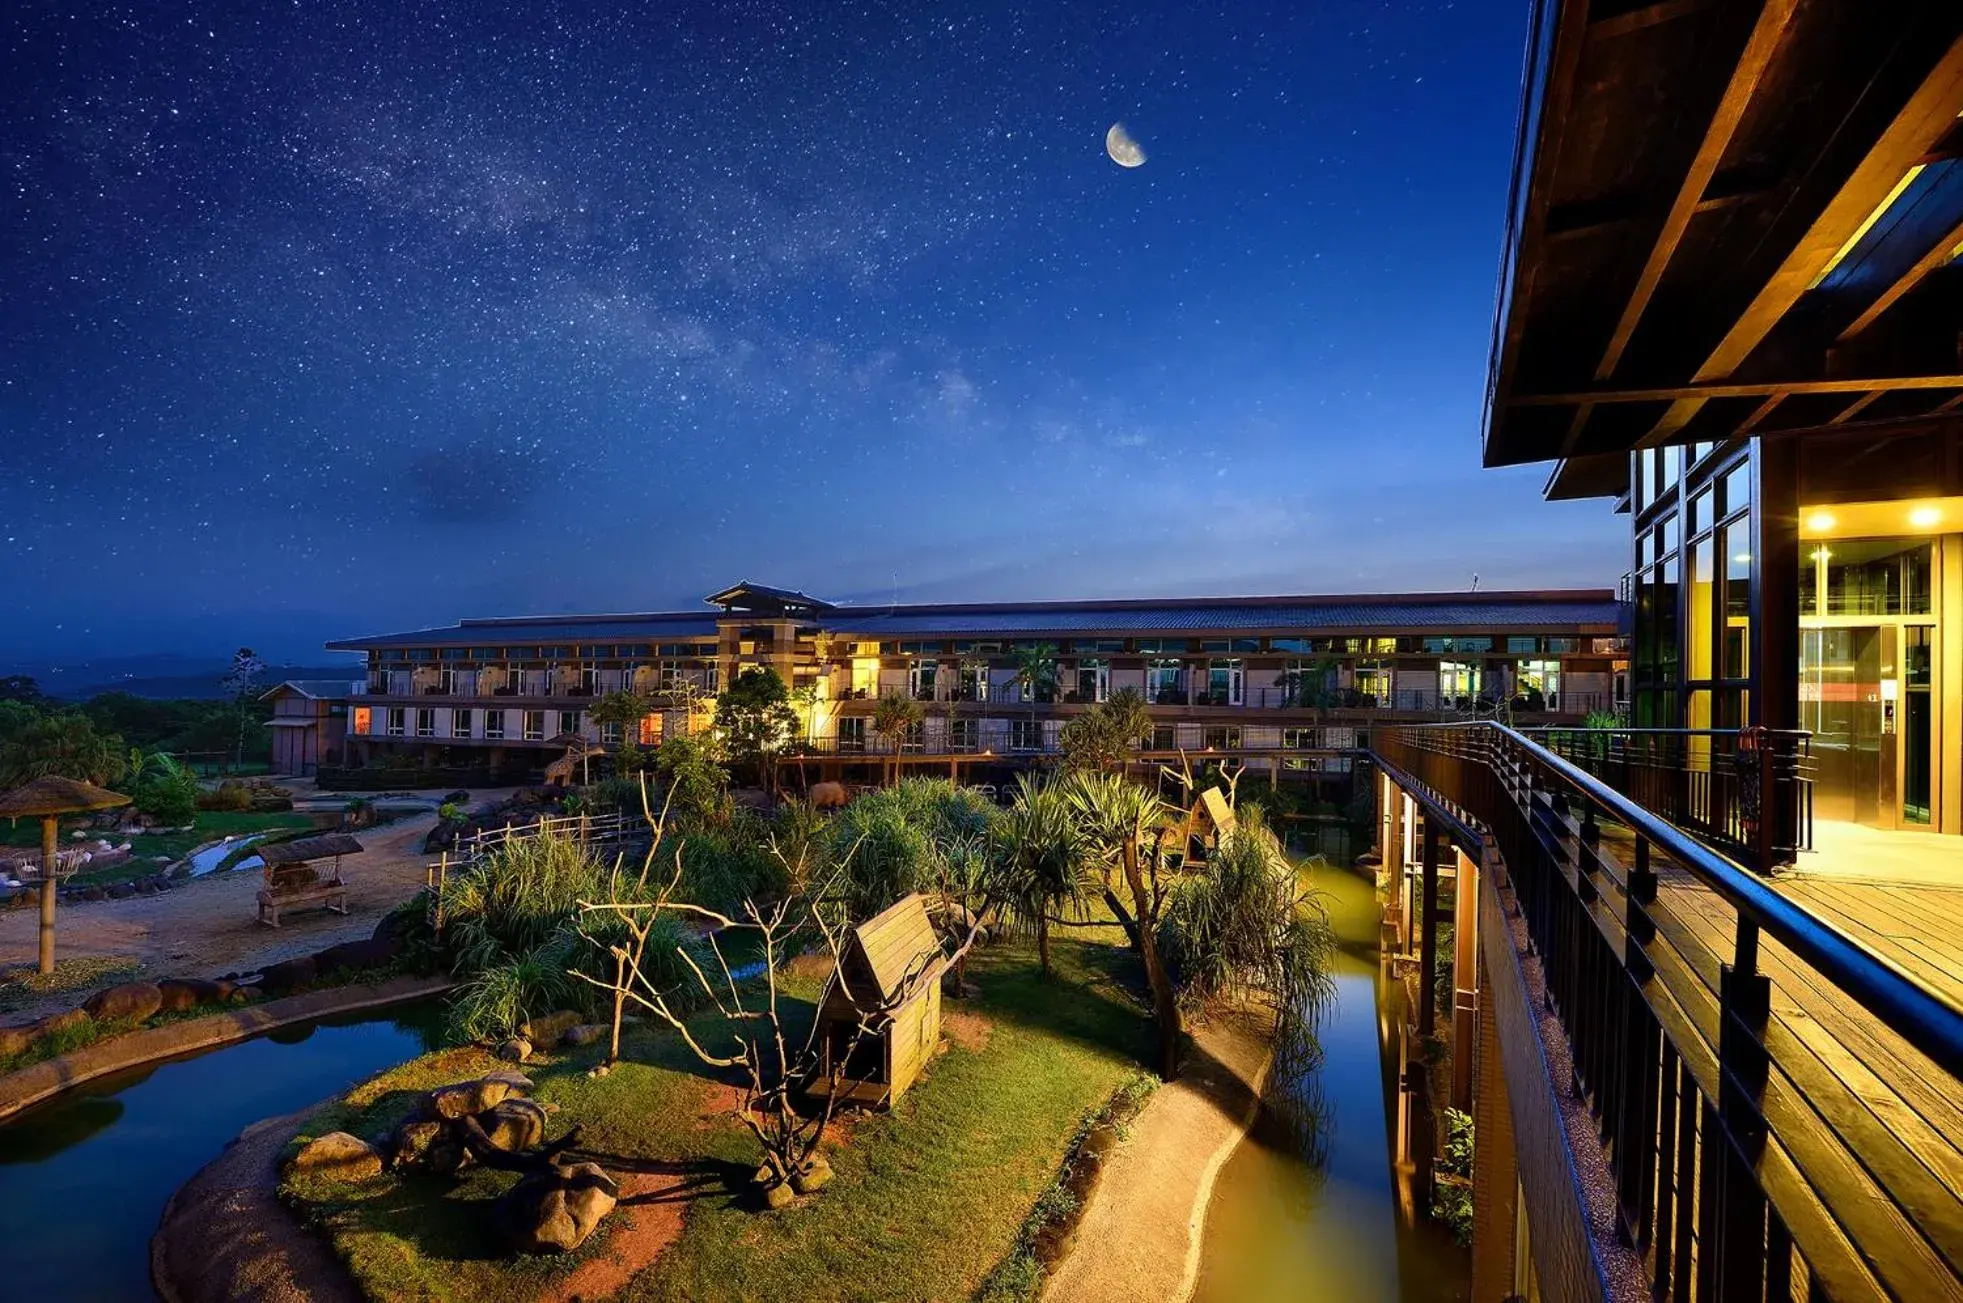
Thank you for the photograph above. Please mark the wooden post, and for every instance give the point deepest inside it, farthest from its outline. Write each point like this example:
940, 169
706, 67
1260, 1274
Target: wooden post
48, 881
442, 880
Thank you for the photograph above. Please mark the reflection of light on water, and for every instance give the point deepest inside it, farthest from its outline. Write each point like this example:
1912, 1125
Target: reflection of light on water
1307, 1209
211, 856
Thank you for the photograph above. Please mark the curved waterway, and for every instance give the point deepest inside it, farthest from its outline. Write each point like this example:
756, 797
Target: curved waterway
1307, 1207
84, 1178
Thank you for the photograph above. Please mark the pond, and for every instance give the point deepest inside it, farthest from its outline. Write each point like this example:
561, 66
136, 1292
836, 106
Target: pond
84, 1178
1307, 1207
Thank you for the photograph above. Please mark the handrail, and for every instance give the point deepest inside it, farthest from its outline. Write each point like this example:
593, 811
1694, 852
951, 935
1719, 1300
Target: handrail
1925, 1019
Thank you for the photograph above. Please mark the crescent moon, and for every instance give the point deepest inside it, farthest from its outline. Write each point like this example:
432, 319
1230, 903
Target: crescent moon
1124, 151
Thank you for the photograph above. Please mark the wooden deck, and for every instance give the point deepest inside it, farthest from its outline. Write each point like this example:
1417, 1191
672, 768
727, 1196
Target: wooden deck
1869, 1131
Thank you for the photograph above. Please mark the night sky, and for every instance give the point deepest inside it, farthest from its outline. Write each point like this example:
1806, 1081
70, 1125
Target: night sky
324, 319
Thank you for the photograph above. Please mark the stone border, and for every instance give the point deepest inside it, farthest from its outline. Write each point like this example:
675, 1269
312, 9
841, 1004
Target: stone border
42, 1081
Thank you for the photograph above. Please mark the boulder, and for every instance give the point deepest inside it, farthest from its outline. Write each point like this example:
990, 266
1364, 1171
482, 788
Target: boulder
780, 1195
372, 953
584, 1034
813, 1176
15, 1039
145, 887
429, 1146
544, 1032
466, 1098
125, 1002
515, 1050
555, 1210
338, 1156
514, 1124
244, 995
121, 891
93, 892
288, 974
181, 993
458, 797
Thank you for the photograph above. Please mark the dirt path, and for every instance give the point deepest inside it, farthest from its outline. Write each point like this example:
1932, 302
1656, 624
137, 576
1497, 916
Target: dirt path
210, 926
1144, 1219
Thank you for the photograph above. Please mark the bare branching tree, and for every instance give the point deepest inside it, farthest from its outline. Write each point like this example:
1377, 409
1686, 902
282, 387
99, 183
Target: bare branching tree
774, 1066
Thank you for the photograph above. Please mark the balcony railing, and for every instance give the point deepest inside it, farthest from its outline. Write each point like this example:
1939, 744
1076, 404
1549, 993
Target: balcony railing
1749, 794
1768, 1092
1405, 700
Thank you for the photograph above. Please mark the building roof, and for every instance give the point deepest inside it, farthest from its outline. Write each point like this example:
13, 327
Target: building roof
302, 849
1729, 219
318, 689
1560, 610
760, 598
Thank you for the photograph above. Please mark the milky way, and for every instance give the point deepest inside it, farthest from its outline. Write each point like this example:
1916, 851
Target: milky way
324, 317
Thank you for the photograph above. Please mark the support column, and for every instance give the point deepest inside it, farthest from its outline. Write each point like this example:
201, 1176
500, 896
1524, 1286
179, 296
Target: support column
1775, 583
1428, 924
1495, 1171
1465, 978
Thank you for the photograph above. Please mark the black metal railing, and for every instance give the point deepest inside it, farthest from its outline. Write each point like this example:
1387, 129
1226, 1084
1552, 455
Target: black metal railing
1412, 701
1748, 793
1777, 1104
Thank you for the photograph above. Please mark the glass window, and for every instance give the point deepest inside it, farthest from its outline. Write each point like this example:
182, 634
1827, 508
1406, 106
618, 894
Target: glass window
460, 722
425, 722
1164, 683
852, 733
1522, 646
394, 721
1698, 517
610, 734
1701, 648
1025, 735
569, 721
1163, 738
1735, 546
1373, 684
1223, 737
1877, 577
494, 724
1537, 685
1737, 488
534, 726
1300, 646
964, 734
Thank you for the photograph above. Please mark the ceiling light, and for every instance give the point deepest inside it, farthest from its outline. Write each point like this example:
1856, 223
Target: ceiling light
1925, 517
1743, 558
1820, 522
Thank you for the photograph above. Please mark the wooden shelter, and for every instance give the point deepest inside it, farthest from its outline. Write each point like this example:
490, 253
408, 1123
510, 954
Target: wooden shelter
1209, 817
294, 882
47, 799
889, 976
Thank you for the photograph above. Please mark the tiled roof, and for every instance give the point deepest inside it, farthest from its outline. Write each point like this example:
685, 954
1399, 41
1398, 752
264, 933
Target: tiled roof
652, 627
321, 689
1369, 616
1570, 611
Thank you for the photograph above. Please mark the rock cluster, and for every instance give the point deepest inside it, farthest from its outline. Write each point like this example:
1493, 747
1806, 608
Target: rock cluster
123, 1005
490, 1120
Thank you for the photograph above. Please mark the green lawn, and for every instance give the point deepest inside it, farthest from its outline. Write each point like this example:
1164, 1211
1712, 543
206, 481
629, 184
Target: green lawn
210, 826
926, 1201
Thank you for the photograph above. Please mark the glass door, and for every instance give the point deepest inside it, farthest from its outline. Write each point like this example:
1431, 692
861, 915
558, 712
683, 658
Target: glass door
1840, 704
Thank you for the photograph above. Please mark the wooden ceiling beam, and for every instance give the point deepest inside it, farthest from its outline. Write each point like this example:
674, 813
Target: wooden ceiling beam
1564, 62
1855, 408
1703, 393
1635, 20
1767, 32
1922, 122
1932, 261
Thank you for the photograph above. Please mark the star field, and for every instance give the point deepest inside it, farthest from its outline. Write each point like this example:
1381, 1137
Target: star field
322, 318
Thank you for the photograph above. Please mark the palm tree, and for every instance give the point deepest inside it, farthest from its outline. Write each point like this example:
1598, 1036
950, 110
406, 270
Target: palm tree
66, 745
1042, 857
892, 719
1036, 670
1124, 825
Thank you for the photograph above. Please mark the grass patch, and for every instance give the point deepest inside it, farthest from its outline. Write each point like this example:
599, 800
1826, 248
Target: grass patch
21, 984
927, 1199
210, 826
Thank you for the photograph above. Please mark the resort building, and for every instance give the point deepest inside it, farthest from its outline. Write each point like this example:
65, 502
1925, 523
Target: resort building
1705, 973
1284, 682
309, 724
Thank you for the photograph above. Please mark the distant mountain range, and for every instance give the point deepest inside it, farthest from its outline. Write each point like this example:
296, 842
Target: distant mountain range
157, 675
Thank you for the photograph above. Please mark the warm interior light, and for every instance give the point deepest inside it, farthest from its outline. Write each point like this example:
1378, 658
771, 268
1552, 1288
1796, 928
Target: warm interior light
1820, 522
1925, 517
1743, 558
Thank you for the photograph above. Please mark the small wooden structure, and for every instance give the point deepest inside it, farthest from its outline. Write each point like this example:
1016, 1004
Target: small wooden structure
294, 882
890, 976
1209, 819
47, 798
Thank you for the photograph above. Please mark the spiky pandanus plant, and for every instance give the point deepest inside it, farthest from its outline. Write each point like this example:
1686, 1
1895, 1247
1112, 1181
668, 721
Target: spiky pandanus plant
1044, 860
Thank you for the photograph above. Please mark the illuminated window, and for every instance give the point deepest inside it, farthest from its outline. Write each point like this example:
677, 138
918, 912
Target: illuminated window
364, 719
494, 725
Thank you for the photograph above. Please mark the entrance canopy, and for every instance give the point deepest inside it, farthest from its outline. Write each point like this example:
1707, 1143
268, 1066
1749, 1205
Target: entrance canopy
1729, 218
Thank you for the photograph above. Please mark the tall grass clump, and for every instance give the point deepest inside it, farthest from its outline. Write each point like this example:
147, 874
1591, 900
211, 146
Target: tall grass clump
901, 839
1247, 926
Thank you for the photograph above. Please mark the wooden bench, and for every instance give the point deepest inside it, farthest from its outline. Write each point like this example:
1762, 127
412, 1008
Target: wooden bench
292, 882
331, 894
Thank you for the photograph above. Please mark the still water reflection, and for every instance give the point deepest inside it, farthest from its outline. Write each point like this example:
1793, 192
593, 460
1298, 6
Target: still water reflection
84, 1178
1307, 1208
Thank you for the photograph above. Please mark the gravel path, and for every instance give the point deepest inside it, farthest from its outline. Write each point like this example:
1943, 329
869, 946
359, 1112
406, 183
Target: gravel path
1141, 1232
210, 925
